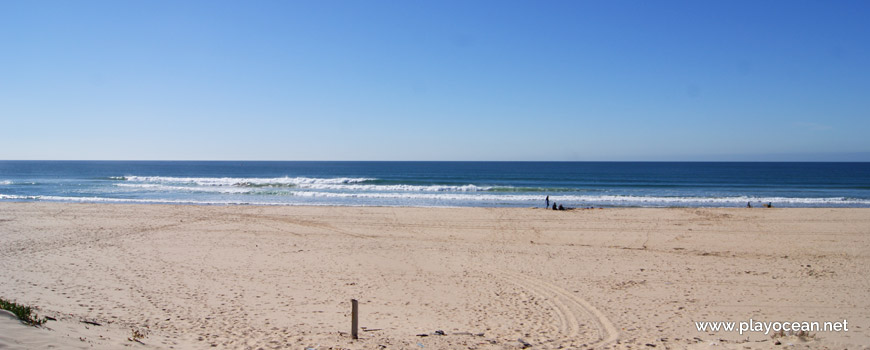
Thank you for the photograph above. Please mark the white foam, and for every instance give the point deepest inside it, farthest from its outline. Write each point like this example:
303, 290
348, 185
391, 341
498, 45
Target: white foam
168, 188
12, 196
6, 182
344, 183
240, 181
404, 188
377, 188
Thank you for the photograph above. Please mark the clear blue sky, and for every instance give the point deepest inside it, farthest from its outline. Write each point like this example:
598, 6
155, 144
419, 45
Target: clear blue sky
435, 80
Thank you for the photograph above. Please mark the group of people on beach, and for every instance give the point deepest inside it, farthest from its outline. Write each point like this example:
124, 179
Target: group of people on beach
547, 204
559, 206
768, 205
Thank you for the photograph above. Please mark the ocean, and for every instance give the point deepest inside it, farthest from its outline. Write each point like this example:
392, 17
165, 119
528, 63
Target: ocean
440, 184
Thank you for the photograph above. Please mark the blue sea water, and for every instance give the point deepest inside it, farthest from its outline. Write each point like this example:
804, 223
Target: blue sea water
437, 184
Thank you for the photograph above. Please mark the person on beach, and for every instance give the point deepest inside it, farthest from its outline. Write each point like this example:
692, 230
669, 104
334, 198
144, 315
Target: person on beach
547, 201
554, 205
561, 207
748, 205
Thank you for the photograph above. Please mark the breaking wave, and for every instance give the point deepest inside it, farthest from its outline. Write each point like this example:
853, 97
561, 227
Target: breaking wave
243, 182
343, 183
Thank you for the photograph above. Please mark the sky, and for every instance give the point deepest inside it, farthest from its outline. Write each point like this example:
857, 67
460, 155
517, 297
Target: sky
435, 80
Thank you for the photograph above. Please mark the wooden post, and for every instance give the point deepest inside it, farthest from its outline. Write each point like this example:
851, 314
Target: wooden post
354, 313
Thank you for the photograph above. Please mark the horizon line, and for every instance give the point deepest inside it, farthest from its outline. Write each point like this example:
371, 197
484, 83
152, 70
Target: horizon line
439, 161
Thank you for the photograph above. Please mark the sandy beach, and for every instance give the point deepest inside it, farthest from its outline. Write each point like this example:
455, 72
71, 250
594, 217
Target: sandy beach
279, 277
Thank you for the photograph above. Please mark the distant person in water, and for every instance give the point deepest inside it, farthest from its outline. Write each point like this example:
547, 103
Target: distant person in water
547, 200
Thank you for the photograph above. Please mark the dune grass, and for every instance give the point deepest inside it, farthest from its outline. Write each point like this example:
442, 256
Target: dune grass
24, 313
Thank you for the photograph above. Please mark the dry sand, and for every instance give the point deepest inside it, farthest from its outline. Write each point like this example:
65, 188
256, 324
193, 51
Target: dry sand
251, 277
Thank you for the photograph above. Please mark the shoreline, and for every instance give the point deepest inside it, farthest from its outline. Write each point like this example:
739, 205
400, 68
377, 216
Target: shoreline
250, 276
119, 201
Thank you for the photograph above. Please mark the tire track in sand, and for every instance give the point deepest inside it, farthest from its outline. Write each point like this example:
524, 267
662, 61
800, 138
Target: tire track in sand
306, 223
566, 306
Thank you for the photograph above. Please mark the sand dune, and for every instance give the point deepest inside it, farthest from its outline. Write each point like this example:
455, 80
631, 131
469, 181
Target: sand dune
251, 277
